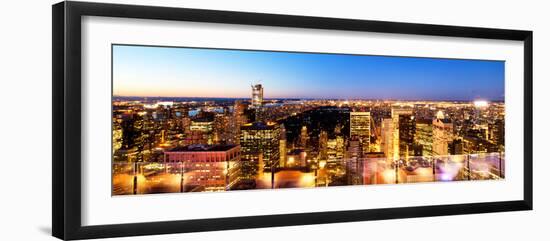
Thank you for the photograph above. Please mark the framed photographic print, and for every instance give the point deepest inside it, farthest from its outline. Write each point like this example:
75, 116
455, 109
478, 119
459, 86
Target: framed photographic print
170, 120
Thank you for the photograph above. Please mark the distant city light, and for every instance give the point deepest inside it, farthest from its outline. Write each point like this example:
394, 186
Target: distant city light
156, 105
440, 115
481, 103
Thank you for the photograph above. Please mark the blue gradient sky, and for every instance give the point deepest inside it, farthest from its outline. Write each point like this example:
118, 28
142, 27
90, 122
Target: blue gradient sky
188, 72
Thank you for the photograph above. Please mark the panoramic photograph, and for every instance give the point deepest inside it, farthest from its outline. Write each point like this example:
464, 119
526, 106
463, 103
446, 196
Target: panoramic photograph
211, 120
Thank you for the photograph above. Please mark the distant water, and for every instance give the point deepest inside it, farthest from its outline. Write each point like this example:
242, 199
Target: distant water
194, 112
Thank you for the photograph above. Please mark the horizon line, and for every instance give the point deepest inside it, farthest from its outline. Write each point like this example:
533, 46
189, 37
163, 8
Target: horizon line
304, 98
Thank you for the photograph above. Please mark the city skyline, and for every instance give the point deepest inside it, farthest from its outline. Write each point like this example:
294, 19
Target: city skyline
202, 122
142, 71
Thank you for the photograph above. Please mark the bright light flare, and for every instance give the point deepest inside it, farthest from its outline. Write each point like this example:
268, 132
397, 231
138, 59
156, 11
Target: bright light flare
290, 161
389, 176
450, 170
481, 103
307, 180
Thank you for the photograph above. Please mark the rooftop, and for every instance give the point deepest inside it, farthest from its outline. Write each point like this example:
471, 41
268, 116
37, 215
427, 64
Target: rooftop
203, 119
424, 121
259, 126
202, 148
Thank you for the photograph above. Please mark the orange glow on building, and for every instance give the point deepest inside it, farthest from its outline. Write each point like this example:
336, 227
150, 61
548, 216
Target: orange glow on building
208, 167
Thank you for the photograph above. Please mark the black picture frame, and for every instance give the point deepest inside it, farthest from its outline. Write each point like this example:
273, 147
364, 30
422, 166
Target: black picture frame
66, 76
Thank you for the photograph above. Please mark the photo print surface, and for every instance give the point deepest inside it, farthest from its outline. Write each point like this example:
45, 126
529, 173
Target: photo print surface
210, 120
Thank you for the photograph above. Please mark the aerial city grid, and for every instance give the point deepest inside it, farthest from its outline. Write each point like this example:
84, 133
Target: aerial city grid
203, 120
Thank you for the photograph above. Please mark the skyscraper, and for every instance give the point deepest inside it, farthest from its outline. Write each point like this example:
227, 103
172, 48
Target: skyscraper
201, 131
403, 132
387, 138
354, 161
335, 148
222, 129
117, 136
133, 138
360, 128
323, 140
304, 137
257, 95
496, 130
424, 136
237, 120
442, 136
260, 141
257, 101
282, 146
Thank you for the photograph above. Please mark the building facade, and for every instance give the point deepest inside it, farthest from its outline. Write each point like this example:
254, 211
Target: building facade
386, 133
207, 167
442, 136
403, 124
260, 141
257, 96
360, 125
424, 137
201, 131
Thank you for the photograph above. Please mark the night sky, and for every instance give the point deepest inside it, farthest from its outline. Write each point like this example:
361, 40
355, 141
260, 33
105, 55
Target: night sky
190, 72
